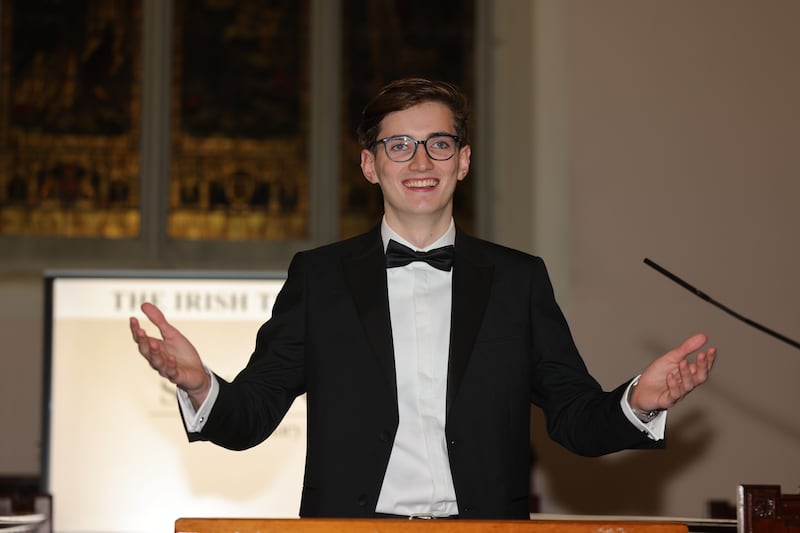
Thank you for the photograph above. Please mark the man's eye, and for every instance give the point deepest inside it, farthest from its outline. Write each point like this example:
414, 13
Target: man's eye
398, 146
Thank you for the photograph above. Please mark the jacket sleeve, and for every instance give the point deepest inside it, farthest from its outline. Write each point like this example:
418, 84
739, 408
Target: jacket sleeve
580, 415
249, 408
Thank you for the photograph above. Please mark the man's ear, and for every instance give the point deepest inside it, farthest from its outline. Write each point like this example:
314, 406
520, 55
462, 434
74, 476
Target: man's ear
368, 166
463, 165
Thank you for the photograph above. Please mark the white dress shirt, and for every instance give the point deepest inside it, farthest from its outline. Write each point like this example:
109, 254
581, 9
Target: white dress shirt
418, 478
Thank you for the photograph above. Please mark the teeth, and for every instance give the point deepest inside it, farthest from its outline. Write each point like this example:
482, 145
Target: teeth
422, 183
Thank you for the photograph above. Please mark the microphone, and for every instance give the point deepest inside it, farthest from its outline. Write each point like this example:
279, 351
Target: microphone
710, 300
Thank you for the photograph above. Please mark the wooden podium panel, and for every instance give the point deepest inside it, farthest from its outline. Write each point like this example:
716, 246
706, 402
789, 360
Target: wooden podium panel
382, 525
763, 509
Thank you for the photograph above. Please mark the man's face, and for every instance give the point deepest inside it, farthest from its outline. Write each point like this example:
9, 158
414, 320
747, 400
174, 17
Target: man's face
420, 187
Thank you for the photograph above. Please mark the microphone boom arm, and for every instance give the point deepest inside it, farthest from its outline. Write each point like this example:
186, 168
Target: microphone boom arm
700, 294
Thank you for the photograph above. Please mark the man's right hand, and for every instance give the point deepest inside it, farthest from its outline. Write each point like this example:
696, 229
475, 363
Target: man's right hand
172, 355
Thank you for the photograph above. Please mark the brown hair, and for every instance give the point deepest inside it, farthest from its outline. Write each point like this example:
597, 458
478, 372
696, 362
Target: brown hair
402, 94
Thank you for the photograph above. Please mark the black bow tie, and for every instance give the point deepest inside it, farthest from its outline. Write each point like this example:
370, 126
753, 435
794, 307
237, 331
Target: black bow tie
399, 255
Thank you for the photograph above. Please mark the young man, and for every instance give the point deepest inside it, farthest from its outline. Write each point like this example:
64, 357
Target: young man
419, 377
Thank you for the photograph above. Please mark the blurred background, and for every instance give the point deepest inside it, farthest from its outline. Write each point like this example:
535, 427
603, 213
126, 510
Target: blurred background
219, 135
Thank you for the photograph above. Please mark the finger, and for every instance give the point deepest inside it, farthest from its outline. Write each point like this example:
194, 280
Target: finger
143, 343
141, 339
689, 345
171, 368
134, 325
687, 377
705, 360
158, 319
711, 357
701, 368
137, 332
673, 389
165, 370
154, 355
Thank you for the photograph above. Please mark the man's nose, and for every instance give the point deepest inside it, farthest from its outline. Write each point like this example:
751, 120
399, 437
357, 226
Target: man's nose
421, 157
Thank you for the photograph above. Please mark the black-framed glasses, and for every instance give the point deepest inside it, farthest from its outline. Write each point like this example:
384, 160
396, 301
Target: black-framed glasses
402, 148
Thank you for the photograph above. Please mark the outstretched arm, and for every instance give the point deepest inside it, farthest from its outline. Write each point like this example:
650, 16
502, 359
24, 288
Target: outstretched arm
668, 379
172, 355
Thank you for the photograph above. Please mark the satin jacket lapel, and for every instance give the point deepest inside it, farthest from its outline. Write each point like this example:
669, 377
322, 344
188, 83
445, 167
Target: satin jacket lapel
472, 280
365, 274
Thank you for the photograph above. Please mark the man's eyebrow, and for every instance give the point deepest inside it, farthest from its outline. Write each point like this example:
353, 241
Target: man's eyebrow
443, 133
428, 136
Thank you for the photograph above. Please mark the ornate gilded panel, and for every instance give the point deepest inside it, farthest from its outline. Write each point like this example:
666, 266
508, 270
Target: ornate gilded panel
240, 120
388, 39
69, 126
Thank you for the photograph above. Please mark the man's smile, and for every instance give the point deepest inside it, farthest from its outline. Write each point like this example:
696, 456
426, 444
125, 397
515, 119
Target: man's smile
421, 183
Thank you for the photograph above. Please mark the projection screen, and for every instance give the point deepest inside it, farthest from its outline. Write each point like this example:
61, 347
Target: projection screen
115, 456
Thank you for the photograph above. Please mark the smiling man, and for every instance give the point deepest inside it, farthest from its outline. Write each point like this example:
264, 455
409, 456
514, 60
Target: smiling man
420, 347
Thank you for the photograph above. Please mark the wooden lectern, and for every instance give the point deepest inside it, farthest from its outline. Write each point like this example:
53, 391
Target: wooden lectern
343, 525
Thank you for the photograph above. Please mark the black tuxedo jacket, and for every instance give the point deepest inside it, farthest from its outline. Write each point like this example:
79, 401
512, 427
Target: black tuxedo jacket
330, 337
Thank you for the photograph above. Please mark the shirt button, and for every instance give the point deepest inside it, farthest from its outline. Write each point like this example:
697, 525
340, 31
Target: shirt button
384, 436
362, 500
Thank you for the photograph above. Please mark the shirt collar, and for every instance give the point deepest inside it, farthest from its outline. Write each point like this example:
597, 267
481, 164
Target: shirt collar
387, 233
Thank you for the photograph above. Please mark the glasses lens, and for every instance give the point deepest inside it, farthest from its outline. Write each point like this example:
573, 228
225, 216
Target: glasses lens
400, 148
441, 147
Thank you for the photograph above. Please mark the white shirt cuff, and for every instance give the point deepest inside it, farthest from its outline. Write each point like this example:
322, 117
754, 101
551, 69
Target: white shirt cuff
195, 420
655, 428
